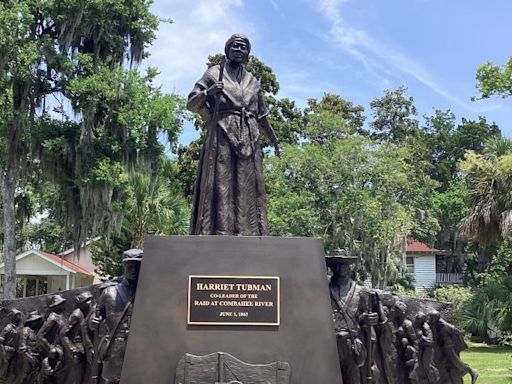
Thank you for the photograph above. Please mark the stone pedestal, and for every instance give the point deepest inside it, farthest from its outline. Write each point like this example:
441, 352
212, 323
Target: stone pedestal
160, 335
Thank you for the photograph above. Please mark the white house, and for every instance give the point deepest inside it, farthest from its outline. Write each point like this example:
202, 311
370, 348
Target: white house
41, 272
430, 266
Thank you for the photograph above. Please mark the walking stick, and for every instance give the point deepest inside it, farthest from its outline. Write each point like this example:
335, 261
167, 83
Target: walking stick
372, 303
210, 134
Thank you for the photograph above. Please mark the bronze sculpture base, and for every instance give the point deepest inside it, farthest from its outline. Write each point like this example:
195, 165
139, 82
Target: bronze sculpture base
160, 335
222, 368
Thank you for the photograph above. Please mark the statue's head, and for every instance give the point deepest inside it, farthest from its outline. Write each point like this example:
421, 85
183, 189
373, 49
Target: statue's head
400, 308
57, 303
421, 318
132, 259
237, 48
434, 316
15, 316
55, 353
340, 263
83, 299
34, 321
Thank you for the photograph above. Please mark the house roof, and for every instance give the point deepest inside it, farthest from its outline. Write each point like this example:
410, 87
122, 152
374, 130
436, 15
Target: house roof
67, 264
415, 246
55, 260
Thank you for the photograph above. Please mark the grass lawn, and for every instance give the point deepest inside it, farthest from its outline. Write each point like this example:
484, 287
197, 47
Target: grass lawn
493, 363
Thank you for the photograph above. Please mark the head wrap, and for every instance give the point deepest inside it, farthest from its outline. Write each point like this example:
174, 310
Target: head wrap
237, 36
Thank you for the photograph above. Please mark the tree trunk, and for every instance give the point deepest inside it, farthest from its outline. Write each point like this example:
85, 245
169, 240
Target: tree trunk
20, 92
138, 236
8, 192
483, 257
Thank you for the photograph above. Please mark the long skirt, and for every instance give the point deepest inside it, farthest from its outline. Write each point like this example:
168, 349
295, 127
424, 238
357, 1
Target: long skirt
234, 198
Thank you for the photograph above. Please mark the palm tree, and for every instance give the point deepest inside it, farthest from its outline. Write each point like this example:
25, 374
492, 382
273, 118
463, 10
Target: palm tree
153, 208
489, 180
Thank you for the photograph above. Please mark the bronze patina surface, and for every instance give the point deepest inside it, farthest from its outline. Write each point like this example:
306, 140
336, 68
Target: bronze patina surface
160, 335
229, 195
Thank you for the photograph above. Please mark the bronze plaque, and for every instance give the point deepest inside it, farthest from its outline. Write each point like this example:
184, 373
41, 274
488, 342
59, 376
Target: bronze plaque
233, 300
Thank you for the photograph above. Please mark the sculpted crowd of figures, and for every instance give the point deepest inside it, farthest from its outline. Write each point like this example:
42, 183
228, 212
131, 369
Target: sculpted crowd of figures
383, 340
79, 340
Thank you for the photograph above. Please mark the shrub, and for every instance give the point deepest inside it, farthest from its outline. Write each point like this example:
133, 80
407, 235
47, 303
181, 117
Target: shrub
490, 307
456, 295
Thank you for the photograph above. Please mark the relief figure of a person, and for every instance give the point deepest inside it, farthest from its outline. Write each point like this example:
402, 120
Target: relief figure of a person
229, 196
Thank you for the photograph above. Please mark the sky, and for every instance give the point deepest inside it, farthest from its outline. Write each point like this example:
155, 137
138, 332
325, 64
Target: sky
354, 48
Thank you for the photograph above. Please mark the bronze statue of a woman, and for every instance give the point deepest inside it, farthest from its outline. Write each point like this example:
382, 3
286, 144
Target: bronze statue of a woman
229, 196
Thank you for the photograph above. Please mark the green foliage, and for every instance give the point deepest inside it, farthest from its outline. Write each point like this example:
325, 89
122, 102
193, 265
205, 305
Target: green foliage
500, 264
48, 235
450, 207
394, 117
439, 135
107, 253
404, 284
488, 177
91, 160
286, 119
107, 172
493, 80
150, 205
324, 126
473, 135
349, 192
445, 144
153, 206
343, 109
188, 163
489, 307
47, 48
394, 121
456, 295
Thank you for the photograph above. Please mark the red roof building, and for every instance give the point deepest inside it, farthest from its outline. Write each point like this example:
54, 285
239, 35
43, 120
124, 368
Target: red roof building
415, 246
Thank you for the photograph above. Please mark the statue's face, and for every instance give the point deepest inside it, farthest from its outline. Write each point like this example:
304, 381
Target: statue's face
433, 317
341, 271
16, 320
131, 270
421, 318
238, 51
59, 308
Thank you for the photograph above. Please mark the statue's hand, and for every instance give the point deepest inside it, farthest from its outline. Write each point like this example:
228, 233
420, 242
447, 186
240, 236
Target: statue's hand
369, 319
215, 88
94, 322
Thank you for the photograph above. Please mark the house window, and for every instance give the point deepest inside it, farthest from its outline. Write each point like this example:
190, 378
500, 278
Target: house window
20, 284
36, 286
31, 286
409, 263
